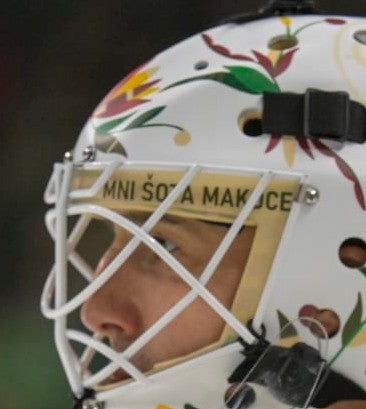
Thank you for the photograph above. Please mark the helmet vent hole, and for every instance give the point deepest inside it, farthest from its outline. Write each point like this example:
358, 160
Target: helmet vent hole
352, 252
250, 123
253, 127
282, 42
360, 36
201, 65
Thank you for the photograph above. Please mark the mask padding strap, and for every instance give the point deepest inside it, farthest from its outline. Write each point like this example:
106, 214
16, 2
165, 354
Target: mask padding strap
335, 387
315, 114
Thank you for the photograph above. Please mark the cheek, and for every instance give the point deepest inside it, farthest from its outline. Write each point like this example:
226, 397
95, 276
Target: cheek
198, 318
196, 327
157, 294
225, 282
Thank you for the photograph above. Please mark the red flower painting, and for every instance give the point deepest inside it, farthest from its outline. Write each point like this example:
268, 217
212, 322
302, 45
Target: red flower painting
129, 93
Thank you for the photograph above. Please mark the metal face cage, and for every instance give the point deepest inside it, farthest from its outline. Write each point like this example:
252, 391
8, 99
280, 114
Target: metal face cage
77, 202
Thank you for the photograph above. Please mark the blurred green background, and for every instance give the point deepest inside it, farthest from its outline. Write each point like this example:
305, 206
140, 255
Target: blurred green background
57, 60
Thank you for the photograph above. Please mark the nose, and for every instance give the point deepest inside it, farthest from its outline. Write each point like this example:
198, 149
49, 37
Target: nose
112, 310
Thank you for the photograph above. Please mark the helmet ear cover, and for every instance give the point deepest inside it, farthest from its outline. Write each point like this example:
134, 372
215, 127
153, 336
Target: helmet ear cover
315, 114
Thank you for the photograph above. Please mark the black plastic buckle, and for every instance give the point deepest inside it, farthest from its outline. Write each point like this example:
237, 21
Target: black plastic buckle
326, 114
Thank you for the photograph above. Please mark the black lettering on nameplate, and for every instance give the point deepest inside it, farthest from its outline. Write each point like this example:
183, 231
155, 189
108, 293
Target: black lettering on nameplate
227, 197
210, 196
119, 189
218, 196
286, 201
109, 189
187, 196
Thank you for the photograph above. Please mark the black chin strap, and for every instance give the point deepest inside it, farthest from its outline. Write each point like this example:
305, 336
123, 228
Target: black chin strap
332, 387
315, 114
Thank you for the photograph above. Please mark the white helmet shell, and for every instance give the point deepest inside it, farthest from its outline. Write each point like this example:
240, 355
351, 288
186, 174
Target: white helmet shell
189, 110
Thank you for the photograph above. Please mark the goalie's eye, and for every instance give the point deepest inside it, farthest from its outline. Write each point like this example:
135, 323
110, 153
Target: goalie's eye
167, 244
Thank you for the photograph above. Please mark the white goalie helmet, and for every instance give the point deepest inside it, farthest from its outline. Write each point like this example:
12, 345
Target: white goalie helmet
245, 143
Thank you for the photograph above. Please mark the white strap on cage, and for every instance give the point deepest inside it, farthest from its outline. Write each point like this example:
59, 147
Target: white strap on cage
276, 267
108, 352
50, 194
77, 232
75, 259
63, 346
98, 184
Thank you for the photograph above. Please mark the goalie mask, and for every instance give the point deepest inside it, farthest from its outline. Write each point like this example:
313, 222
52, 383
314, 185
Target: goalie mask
231, 169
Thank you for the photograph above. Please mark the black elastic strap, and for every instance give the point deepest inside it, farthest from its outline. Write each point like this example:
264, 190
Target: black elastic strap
315, 114
334, 388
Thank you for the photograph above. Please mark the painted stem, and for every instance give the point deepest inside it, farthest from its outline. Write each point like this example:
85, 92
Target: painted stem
295, 33
163, 125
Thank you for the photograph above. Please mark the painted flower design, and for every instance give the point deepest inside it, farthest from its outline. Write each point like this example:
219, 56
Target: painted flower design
106, 141
353, 333
328, 318
287, 22
129, 93
274, 63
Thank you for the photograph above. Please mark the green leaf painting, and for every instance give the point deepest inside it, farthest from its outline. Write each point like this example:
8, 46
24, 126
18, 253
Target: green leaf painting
221, 77
241, 78
287, 329
188, 406
353, 321
229, 80
252, 80
145, 117
108, 126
